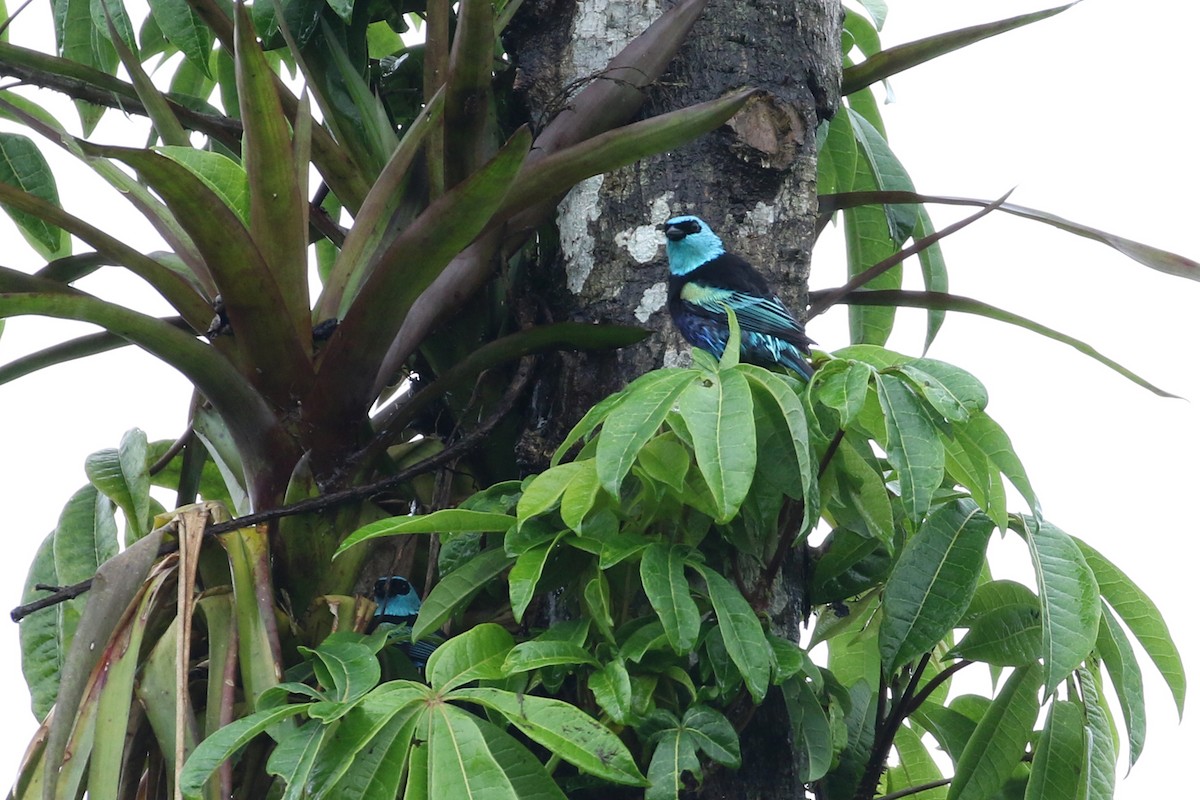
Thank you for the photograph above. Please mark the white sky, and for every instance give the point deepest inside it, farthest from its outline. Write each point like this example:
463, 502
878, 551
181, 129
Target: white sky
1090, 115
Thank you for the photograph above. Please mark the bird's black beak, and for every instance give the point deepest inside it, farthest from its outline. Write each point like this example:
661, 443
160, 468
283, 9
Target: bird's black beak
672, 232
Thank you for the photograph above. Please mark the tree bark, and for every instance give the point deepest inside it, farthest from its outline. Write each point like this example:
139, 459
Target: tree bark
753, 181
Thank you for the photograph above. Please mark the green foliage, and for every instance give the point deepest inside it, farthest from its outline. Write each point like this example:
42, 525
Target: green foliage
619, 610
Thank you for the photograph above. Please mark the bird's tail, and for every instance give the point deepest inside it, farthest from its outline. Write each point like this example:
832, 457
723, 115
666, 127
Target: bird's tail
793, 359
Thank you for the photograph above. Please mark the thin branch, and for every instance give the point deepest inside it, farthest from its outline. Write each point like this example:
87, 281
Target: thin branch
450, 453
935, 682
911, 790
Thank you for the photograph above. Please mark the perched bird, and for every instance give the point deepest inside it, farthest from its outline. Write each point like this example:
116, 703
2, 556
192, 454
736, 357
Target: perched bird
705, 279
397, 605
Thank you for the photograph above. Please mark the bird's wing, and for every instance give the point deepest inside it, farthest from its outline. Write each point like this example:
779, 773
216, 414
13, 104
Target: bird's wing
766, 315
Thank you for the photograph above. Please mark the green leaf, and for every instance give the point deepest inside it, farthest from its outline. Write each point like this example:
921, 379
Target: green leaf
741, 632
613, 691
183, 28
23, 166
999, 740
1098, 737
210, 754
967, 305
993, 442
844, 388
544, 491
86, 536
930, 587
718, 412
222, 174
955, 393
811, 733
666, 585
1121, 662
916, 767
476, 654
455, 590
897, 59
933, 270
470, 757
539, 653
525, 574
1060, 757
1010, 636
447, 520
913, 446
775, 393
122, 475
1138, 612
346, 669
41, 634
1070, 600
564, 730
634, 421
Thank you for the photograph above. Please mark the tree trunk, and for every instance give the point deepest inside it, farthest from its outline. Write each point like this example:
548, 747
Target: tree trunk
753, 181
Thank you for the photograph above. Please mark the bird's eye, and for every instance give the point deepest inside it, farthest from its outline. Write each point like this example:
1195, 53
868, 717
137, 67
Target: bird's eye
690, 227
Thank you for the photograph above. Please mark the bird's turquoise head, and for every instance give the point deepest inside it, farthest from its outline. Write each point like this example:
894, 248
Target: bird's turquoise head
690, 244
395, 597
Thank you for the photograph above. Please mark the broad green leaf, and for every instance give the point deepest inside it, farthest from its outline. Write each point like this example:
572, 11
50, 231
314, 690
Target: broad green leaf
844, 389
913, 446
1070, 600
23, 166
183, 28
222, 745
367, 749
220, 173
955, 393
613, 691
447, 520
916, 767
971, 468
666, 586
579, 497
41, 633
525, 574
774, 392
999, 740
295, 755
597, 414
950, 727
1098, 738
849, 564
638, 416
86, 536
930, 587
546, 489
886, 169
858, 722
346, 669
539, 653
674, 756
1010, 636
1121, 662
665, 460
811, 734
476, 654
122, 475
1138, 612
565, 730
455, 590
1060, 757
718, 412
741, 632
991, 439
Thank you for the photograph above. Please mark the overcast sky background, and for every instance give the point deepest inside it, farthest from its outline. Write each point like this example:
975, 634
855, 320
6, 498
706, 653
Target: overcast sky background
1090, 115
